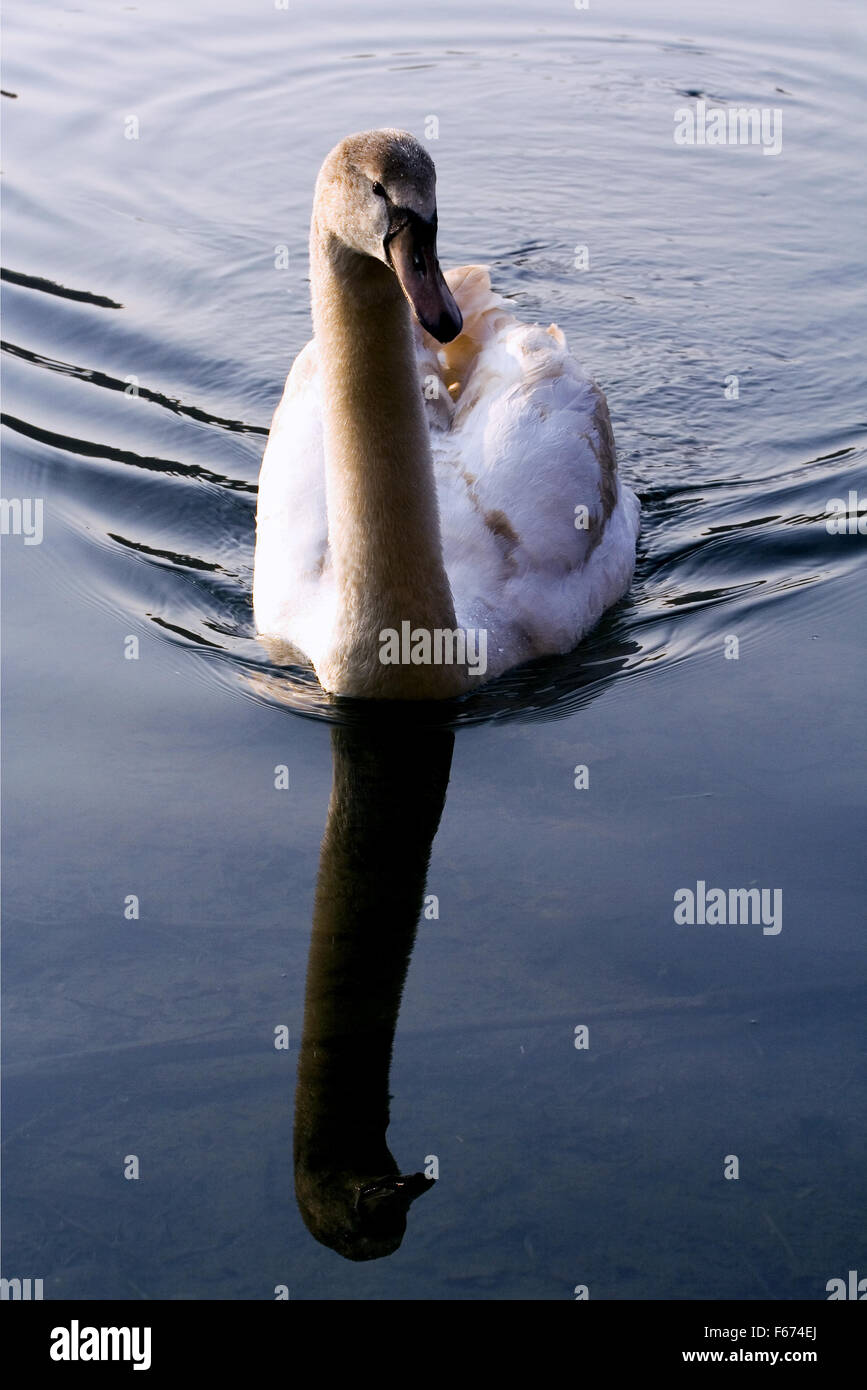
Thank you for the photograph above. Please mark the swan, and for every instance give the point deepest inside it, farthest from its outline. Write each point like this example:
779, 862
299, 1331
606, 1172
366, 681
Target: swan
438, 498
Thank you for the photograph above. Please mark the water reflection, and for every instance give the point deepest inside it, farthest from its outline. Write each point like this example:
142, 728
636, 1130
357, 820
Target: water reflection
388, 792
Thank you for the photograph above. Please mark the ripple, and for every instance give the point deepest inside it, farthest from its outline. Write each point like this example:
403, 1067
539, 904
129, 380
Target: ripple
158, 492
36, 282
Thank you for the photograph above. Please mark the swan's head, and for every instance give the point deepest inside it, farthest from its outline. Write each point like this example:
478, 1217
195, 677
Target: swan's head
376, 193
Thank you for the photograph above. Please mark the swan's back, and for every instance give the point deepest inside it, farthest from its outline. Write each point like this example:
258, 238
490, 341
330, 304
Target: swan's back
538, 533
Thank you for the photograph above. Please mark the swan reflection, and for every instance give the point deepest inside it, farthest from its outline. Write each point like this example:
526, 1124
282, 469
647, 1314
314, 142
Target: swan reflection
388, 792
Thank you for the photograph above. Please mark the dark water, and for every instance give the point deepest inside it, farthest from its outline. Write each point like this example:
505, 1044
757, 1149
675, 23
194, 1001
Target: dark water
147, 336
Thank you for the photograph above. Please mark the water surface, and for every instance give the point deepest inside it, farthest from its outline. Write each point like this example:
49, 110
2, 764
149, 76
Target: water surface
148, 331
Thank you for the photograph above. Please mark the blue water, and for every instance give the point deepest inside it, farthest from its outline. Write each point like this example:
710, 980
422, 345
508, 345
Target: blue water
147, 335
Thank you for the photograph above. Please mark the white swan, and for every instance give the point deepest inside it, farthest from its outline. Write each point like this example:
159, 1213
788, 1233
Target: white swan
462, 488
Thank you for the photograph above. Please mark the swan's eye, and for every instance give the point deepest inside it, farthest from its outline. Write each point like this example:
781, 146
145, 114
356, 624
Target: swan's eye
379, 190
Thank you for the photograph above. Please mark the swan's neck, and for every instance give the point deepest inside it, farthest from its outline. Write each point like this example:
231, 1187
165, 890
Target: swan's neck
383, 519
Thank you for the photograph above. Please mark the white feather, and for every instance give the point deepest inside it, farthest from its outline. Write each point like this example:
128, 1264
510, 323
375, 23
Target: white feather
520, 438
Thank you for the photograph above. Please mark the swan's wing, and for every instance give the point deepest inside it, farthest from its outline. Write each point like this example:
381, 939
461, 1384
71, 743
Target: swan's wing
292, 589
531, 443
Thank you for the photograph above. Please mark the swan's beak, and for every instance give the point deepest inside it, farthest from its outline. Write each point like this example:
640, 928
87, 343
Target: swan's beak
411, 250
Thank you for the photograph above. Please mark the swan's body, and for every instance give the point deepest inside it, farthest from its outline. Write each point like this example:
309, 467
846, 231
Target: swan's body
471, 486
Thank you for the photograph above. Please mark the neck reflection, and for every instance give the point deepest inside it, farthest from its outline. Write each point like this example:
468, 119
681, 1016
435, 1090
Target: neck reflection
388, 792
